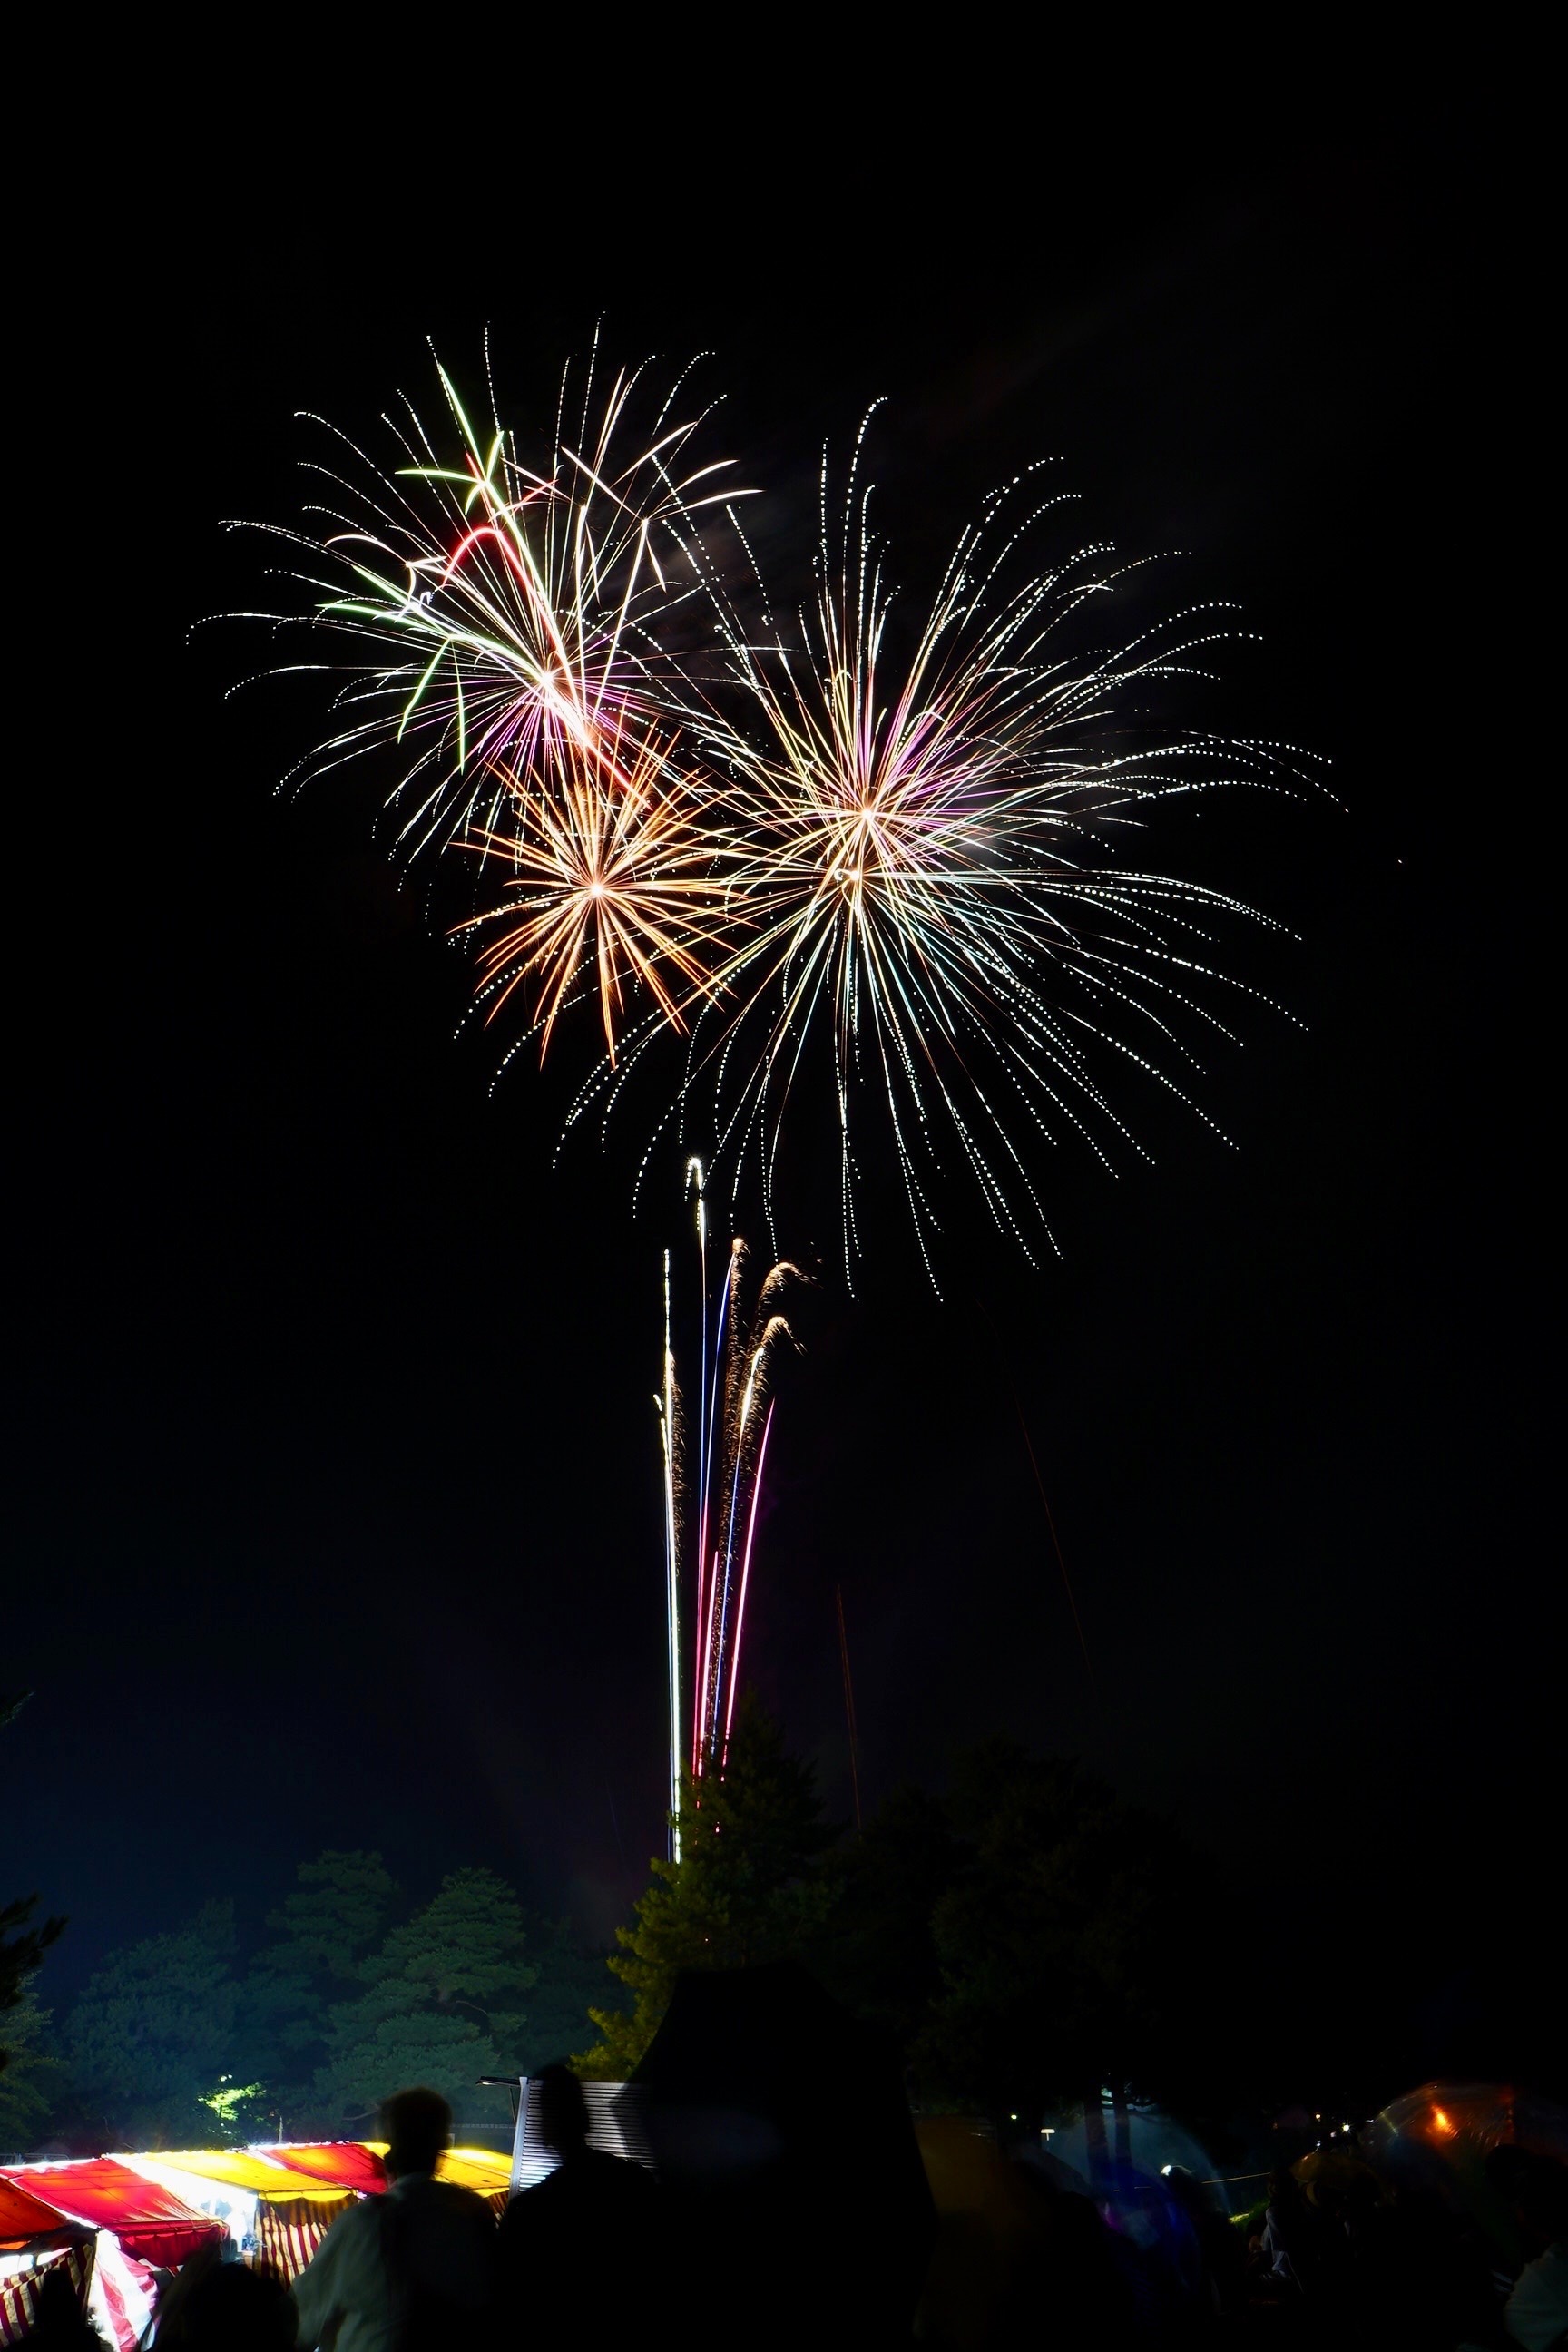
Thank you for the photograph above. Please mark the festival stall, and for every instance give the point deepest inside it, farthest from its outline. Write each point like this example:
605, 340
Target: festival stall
275, 2211
350, 2165
24, 2216
26, 2219
278, 2202
20, 2288
152, 2223
39, 2236
108, 2218
480, 2169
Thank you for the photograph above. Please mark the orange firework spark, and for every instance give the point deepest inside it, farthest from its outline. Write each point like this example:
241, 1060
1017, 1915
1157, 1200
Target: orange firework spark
612, 871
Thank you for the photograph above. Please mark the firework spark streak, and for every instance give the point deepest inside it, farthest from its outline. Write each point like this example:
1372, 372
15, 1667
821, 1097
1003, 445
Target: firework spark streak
714, 1509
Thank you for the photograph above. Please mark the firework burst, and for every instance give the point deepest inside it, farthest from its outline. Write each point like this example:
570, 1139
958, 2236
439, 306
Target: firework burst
612, 872
503, 635
889, 868
928, 888
497, 619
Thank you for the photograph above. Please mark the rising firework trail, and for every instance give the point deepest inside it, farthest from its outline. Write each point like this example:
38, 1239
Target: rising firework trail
669, 1436
712, 1490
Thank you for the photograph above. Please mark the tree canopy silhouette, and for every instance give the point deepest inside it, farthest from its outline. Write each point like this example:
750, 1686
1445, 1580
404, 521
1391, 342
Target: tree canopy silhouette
750, 1885
22, 1947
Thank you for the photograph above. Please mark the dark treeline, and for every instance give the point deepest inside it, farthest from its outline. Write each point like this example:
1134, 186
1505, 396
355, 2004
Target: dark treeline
1021, 1938
183, 2038
1028, 1939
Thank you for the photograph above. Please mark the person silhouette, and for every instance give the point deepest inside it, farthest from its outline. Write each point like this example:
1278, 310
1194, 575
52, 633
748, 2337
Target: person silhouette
1536, 2188
576, 2248
410, 2272
58, 2324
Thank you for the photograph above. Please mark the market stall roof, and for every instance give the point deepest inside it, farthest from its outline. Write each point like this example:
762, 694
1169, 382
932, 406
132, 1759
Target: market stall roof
22, 2215
255, 2169
478, 2168
148, 2220
129, 2193
334, 2164
280, 2171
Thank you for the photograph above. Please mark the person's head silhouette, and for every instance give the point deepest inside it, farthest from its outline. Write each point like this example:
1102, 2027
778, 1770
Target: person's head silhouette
417, 2125
562, 2112
211, 2306
58, 2321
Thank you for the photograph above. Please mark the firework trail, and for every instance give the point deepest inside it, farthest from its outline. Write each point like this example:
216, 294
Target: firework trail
932, 920
711, 1492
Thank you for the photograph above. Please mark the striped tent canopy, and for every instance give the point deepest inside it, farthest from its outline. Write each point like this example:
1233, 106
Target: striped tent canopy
299, 2191
148, 2218
19, 2293
334, 2164
480, 2169
263, 2172
288, 2229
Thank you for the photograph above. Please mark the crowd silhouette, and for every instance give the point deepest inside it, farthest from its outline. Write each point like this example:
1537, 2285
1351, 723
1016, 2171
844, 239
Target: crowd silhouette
737, 2228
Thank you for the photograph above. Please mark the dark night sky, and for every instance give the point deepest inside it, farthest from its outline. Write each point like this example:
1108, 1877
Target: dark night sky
332, 1510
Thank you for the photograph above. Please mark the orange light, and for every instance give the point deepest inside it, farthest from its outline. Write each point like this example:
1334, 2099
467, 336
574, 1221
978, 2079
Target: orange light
1440, 2122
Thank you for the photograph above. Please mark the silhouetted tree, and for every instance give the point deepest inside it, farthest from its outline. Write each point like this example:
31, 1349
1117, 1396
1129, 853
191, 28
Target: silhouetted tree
33, 2080
331, 1919
151, 2041
750, 1885
879, 1952
21, 1946
570, 1980
1054, 1939
443, 2001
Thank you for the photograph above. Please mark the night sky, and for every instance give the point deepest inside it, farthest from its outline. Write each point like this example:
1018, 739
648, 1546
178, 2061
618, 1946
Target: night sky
331, 1506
